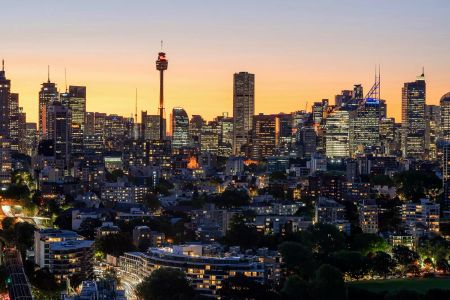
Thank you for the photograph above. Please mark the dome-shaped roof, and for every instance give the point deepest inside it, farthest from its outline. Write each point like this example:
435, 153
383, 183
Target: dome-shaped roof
446, 97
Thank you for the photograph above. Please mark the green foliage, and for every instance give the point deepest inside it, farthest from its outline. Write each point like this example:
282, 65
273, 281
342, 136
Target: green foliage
151, 202
243, 287
232, 198
413, 185
240, 234
382, 180
382, 264
20, 234
114, 175
404, 256
437, 249
114, 244
165, 284
323, 239
298, 259
295, 288
351, 263
328, 284
368, 243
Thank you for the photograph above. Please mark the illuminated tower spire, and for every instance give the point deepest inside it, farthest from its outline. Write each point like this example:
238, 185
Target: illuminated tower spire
48, 73
161, 66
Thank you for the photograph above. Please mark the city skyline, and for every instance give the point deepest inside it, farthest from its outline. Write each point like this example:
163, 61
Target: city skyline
292, 62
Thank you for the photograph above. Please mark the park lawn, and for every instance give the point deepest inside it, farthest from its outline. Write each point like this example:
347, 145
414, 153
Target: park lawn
420, 285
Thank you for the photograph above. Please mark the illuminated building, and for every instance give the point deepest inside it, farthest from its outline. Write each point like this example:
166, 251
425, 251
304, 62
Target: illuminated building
180, 128
150, 126
59, 131
387, 131
364, 126
75, 101
413, 118
264, 136
368, 216
47, 95
318, 110
328, 211
209, 138
446, 173
225, 128
205, 272
337, 134
433, 129
421, 219
243, 109
5, 162
5, 106
445, 117
195, 130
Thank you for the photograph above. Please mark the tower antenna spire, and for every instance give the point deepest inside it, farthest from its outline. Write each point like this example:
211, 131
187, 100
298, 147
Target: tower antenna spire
65, 78
3, 64
48, 73
135, 108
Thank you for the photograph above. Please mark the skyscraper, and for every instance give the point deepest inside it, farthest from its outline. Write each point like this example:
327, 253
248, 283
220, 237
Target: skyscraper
365, 126
59, 130
243, 109
5, 98
413, 117
180, 128
14, 121
75, 101
264, 138
445, 117
337, 134
47, 95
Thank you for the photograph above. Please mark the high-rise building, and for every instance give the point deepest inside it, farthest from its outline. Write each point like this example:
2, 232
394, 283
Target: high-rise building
47, 95
209, 137
225, 127
445, 117
433, 129
195, 130
5, 162
14, 121
180, 128
59, 127
150, 126
75, 101
5, 98
243, 109
413, 118
31, 138
446, 173
264, 136
387, 131
365, 126
337, 134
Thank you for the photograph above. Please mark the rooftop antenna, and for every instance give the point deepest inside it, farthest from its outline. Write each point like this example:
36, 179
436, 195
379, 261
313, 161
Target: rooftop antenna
423, 71
3, 64
48, 73
135, 108
65, 78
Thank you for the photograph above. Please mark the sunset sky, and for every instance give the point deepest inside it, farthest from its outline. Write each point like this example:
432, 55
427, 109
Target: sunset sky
300, 51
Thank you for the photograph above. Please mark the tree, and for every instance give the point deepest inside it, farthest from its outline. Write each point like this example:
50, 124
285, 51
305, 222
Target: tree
351, 263
298, 259
328, 284
368, 243
295, 288
114, 244
404, 256
151, 202
413, 185
241, 287
382, 264
88, 226
165, 284
232, 198
240, 233
323, 239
